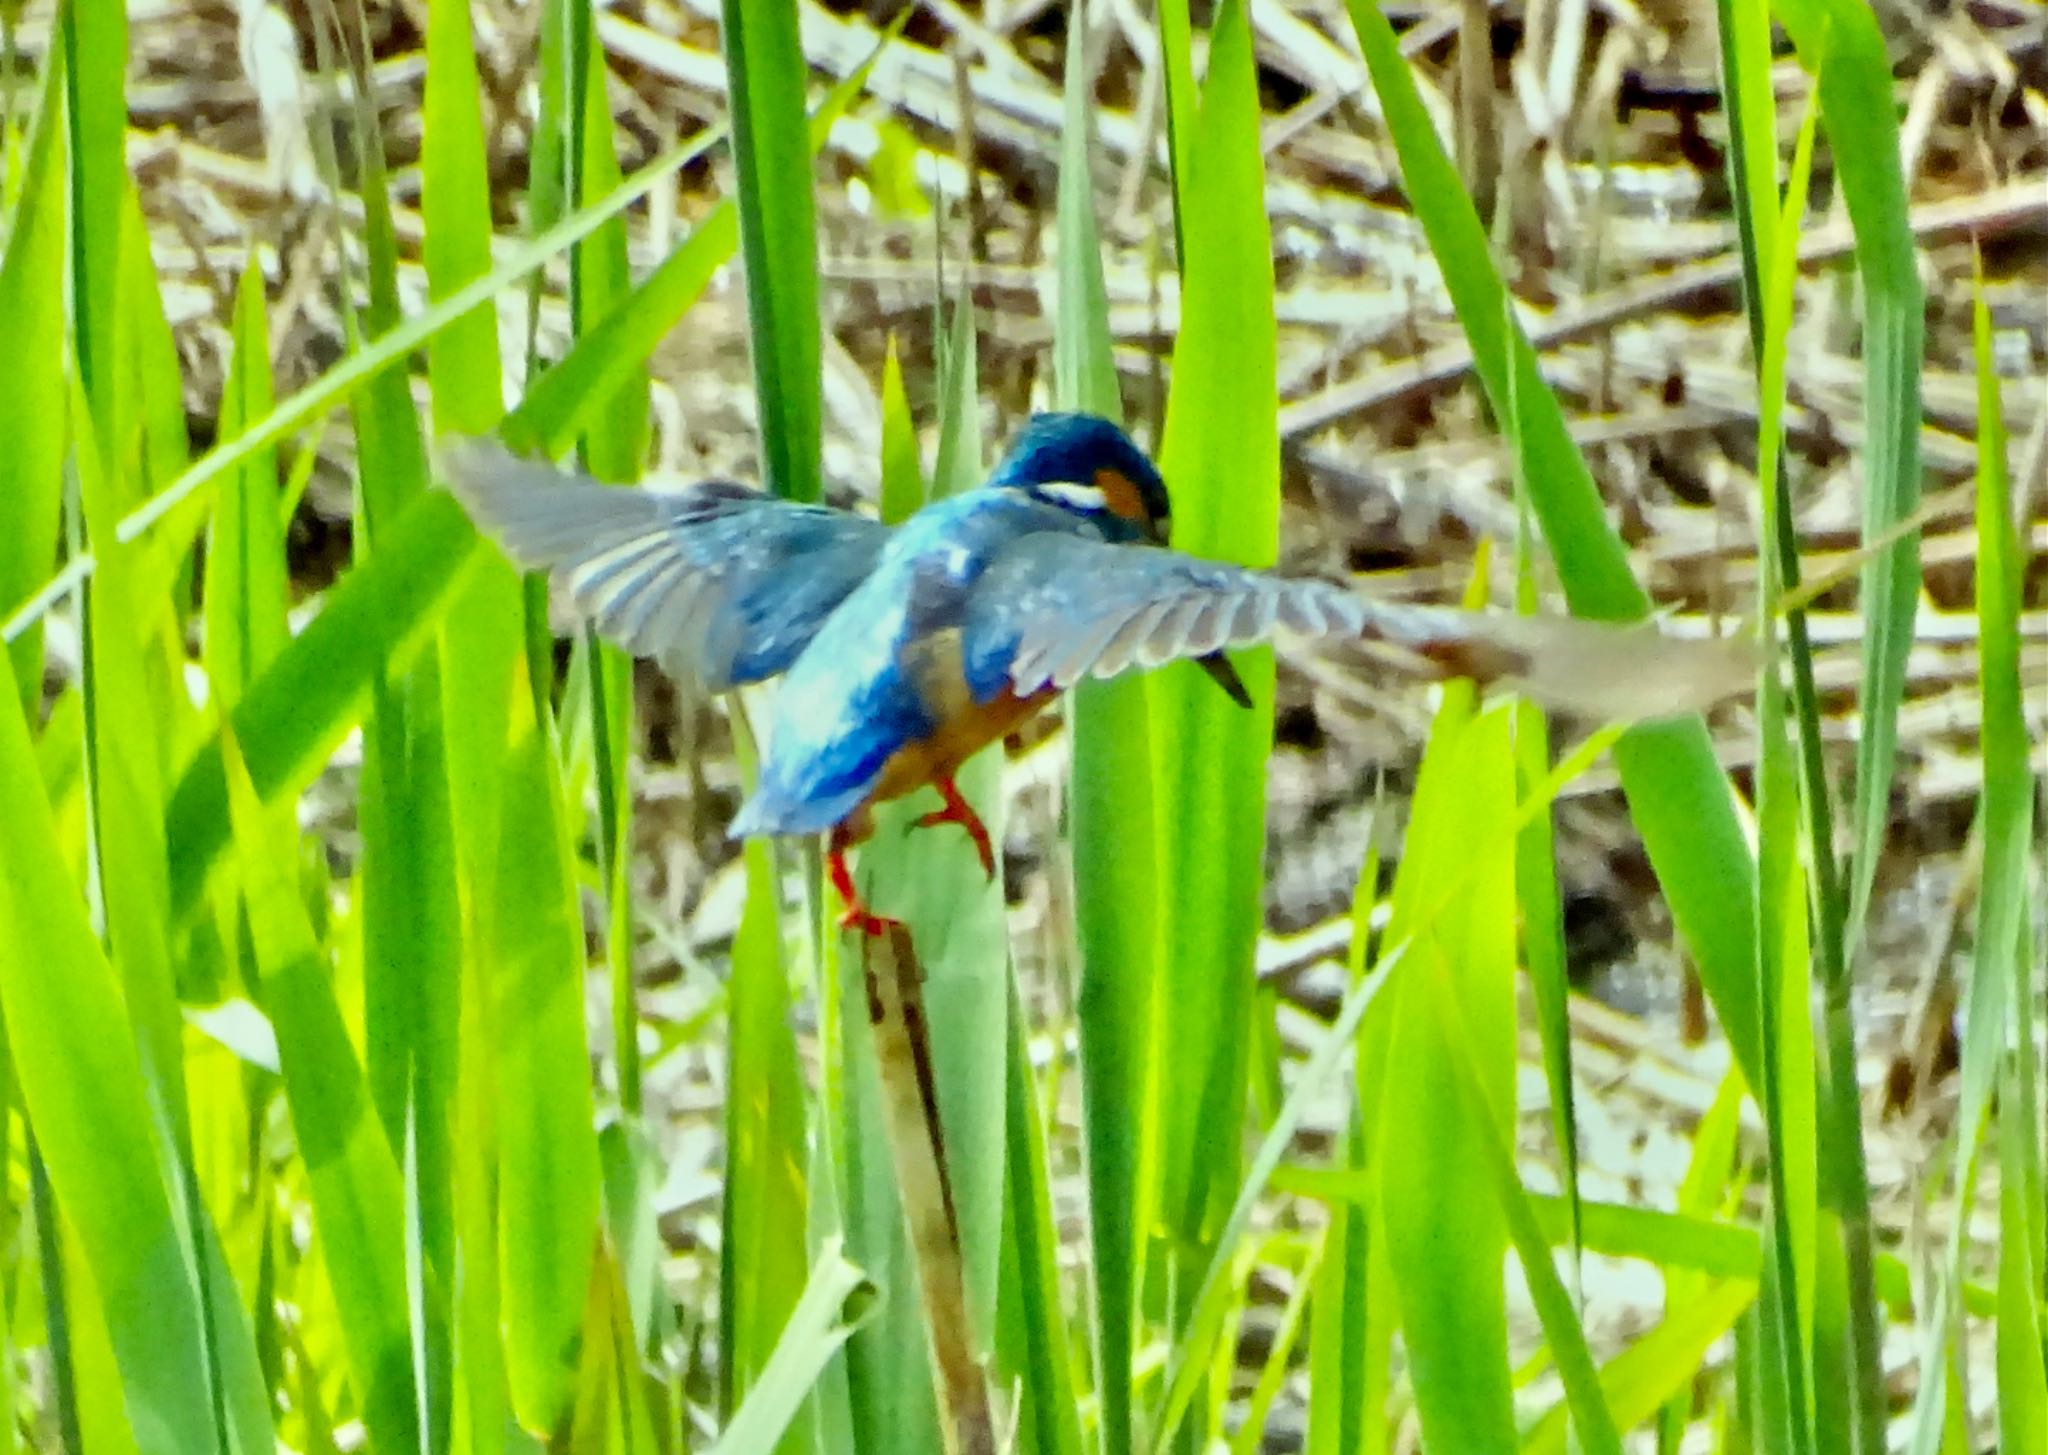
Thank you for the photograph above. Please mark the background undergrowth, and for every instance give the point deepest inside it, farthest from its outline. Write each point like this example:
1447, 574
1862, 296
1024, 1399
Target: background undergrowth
397, 1057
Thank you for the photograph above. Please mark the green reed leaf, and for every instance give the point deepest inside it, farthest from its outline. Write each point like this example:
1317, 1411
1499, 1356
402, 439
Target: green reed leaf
32, 407
764, 66
1680, 799
83, 1090
1221, 458
351, 1172
1840, 44
1116, 888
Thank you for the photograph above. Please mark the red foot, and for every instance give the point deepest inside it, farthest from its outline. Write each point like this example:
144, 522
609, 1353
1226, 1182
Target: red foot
858, 916
958, 810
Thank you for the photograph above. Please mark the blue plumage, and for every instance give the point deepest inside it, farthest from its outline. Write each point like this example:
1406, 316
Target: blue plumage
902, 653
867, 687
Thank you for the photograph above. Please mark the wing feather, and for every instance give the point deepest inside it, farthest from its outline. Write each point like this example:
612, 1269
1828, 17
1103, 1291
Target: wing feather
636, 606
676, 635
721, 584
1054, 609
1129, 642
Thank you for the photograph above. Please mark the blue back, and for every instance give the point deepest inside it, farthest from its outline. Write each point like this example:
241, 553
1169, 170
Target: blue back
849, 701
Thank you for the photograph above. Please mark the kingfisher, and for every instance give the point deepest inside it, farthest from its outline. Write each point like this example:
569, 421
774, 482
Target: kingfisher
902, 652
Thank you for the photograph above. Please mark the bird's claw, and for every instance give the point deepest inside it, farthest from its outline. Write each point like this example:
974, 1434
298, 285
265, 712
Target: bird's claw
862, 920
958, 810
858, 917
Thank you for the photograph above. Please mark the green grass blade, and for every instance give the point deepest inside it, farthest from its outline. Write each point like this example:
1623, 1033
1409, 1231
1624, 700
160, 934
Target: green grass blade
129, 678
1536, 890
480, 647
480, 650
1680, 799
94, 60
411, 939
1753, 122
762, 1253
549, 1173
765, 1212
393, 464
83, 1090
97, 1418
1783, 961
299, 711
1839, 42
1221, 457
1183, 107
1116, 894
133, 656
615, 434
1592, 1421
1752, 108
481, 635
1431, 1195
352, 1174
614, 445
1032, 1353
124, 815
2000, 984
2004, 933
2022, 1332
1337, 1408
903, 482
244, 606
1084, 370
764, 65
463, 364
32, 417
836, 1300
154, 405
1341, 1363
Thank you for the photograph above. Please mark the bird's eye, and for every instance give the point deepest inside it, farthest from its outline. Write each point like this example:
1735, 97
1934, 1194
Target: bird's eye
1076, 497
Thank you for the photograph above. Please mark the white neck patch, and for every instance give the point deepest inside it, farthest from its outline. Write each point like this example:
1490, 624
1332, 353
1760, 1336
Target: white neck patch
1080, 497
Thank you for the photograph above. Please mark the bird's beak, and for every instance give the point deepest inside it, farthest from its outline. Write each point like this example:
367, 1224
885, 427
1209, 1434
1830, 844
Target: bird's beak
1225, 676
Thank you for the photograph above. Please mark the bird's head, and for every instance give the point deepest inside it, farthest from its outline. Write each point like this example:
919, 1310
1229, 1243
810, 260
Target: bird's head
1084, 464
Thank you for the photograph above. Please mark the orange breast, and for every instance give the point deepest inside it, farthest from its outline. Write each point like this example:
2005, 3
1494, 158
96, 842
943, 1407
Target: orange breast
966, 729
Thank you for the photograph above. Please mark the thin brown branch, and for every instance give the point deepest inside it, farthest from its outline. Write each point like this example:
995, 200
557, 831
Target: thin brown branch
896, 1015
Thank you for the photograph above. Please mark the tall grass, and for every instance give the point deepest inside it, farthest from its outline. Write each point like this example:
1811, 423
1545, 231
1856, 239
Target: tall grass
321, 1152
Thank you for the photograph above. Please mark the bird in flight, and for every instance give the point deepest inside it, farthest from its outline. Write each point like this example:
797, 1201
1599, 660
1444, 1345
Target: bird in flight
904, 651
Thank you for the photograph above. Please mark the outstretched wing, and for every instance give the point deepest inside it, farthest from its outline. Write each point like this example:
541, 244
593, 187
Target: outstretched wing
1054, 609
720, 584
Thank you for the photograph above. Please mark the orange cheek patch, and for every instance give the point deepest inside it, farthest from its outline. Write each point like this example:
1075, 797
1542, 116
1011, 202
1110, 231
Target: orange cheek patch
1120, 495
